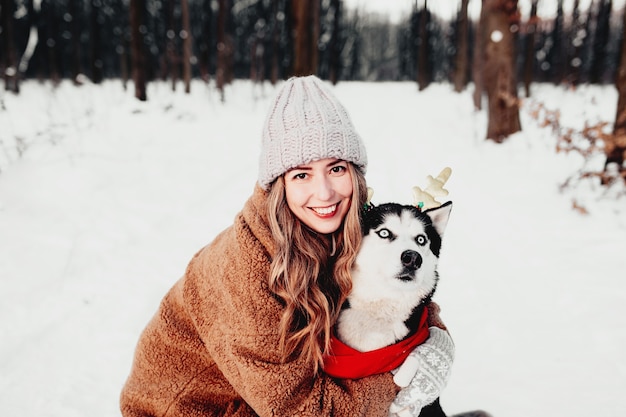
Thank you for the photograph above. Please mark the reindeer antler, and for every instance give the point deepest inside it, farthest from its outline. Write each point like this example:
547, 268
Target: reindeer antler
425, 199
368, 203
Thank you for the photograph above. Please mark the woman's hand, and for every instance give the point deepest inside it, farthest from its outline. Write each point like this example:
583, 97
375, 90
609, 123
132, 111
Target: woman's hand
424, 374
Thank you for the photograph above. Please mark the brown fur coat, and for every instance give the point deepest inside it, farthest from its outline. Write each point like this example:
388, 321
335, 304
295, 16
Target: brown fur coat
212, 347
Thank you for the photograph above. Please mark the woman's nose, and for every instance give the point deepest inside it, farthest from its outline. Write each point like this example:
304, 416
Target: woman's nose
324, 189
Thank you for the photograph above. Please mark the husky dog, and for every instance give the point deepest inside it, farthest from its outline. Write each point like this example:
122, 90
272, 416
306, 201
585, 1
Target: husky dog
394, 278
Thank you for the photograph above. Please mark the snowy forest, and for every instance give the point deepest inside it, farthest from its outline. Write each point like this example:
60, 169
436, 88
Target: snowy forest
129, 138
499, 54
273, 39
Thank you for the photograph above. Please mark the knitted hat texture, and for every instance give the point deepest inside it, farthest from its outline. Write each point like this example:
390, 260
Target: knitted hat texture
306, 123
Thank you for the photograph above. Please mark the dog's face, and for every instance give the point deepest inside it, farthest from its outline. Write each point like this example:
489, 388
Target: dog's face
399, 253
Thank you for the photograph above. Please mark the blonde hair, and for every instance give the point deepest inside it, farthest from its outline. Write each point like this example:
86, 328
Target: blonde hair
311, 275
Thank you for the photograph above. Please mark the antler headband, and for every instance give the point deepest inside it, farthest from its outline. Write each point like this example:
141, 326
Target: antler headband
423, 199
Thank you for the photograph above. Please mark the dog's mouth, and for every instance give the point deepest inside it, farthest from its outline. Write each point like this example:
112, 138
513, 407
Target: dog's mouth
406, 275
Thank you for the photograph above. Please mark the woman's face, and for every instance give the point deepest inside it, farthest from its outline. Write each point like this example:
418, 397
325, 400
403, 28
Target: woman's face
319, 193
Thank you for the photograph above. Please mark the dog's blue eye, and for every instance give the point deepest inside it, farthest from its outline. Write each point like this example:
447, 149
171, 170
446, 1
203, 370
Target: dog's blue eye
384, 233
421, 240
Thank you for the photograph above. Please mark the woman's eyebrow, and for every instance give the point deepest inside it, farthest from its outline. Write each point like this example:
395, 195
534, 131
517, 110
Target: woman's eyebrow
338, 161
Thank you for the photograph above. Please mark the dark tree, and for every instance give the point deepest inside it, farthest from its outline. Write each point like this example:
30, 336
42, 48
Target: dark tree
187, 40
50, 39
75, 15
423, 67
275, 42
577, 41
205, 41
137, 10
353, 47
600, 41
122, 40
224, 69
305, 18
616, 147
462, 49
171, 47
96, 41
529, 55
555, 54
499, 68
330, 41
478, 59
8, 66
335, 47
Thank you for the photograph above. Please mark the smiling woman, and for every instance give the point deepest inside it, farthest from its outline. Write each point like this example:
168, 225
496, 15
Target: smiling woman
246, 330
319, 193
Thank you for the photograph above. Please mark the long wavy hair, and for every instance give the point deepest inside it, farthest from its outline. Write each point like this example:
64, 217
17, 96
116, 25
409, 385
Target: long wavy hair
310, 272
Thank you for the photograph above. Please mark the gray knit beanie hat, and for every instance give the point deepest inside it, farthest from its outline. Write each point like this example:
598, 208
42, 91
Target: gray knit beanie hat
306, 123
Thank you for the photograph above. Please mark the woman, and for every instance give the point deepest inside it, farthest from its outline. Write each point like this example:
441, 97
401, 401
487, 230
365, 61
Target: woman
245, 330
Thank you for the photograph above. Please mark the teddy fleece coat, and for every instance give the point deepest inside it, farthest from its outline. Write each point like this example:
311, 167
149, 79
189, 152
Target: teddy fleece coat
212, 348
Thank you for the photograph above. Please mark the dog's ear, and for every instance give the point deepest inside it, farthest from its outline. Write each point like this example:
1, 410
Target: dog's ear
439, 216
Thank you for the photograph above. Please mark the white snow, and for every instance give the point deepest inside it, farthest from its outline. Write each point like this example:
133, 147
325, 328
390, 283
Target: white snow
102, 212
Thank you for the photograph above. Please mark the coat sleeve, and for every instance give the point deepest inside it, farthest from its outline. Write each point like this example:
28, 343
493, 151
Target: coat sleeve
237, 317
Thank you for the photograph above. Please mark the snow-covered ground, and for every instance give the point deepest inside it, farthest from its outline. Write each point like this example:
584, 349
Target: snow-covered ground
112, 196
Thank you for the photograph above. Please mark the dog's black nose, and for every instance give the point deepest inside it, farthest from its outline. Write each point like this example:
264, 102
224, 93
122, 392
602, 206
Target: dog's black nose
411, 259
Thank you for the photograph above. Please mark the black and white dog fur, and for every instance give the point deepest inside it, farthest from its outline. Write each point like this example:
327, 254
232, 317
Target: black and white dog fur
394, 278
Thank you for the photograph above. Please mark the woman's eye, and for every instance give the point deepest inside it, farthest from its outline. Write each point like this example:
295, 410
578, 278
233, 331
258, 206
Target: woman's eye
384, 233
299, 176
421, 240
338, 169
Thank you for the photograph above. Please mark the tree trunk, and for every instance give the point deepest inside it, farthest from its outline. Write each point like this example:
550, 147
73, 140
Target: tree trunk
96, 44
315, 26
601, 39
171, 52
460, 71
574, 61
258, 42
9, 66
479, 57
499, 69
529, 58
138, 61
205, 41
122, 30
222, 63
334, 66
616, 148
275, 43
74, 12
49, 15
306, 33
423, 73
187, 39
123, 55
556, 54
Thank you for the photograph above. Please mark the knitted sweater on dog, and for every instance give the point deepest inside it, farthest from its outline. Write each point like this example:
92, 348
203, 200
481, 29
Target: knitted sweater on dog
212, 347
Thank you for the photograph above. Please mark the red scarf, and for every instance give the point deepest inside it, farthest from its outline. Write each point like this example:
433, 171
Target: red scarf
348, 363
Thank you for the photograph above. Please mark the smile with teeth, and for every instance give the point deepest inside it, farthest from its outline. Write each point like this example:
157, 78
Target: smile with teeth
325, 211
